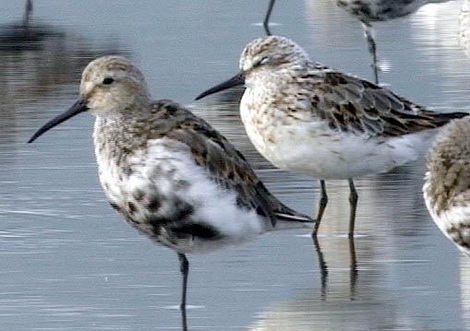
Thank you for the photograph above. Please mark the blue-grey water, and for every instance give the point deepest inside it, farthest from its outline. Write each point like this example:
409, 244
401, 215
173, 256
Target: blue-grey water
68, 262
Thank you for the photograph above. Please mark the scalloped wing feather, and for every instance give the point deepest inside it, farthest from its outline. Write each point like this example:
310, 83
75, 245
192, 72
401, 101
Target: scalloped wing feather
225, 164
349, 103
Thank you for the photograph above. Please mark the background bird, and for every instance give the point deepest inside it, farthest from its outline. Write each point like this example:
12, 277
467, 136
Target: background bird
308, 118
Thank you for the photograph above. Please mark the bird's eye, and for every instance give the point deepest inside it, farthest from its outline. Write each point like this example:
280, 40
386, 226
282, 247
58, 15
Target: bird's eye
108, 81
263, 60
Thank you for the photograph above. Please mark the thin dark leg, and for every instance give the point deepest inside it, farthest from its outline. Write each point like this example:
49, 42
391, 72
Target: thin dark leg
353, 197
28, 10
353, 273
323, 268
369, 33
184, 320
184, 268
268, 16
321, 207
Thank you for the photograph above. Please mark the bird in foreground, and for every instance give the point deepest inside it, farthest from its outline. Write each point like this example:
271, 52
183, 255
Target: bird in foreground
446, 188
368, 12
168, 172
307, 118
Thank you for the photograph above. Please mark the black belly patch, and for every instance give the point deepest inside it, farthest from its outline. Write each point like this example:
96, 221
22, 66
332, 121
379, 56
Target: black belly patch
200, 230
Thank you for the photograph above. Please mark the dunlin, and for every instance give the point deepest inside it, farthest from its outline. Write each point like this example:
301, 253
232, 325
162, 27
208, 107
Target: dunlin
447, 183
169, 173
307, 118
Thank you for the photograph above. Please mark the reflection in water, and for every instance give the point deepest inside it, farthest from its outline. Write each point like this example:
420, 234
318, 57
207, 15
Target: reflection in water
26, 34
368, 302
368, 11
37, 61
464, 26
327, 30
67, 262
353, 271
37, 57
323, 268
465, 288
378, 312
434, 32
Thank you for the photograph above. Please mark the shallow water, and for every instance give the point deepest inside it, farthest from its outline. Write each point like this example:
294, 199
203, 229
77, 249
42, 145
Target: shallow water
67, 261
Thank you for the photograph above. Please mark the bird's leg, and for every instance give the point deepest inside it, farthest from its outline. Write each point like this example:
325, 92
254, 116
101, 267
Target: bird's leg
184, 268
28, 10
184, 320
321, 207
268, 16
369, 34
353, 197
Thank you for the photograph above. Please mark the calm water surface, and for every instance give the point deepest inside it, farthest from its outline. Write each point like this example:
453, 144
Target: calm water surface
67, 261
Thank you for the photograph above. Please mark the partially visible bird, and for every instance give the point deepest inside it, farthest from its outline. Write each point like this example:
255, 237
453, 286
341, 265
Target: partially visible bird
447, 183
368, 12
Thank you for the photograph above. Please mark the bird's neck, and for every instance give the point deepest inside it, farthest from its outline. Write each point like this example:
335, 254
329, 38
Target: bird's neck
119, 135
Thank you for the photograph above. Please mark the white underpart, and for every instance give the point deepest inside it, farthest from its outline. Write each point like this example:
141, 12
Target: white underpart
447, 219
312, 148
164, 163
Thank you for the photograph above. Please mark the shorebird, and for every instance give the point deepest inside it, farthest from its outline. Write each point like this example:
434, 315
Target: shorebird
447, 183
368, 12
307, 118
169, 173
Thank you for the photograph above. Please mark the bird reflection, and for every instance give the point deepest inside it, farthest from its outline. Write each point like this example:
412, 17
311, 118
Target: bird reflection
375, 305
322, 266
465, 289
28, 10
26, 34
38, 58
353, 272
464, 27
324, 272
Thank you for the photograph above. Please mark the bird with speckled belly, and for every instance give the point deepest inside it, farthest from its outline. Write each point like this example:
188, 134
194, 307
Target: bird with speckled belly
169, 173
446, 186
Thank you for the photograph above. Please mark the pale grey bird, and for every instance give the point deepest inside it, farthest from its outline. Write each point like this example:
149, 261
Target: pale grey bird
169, 173
307, 118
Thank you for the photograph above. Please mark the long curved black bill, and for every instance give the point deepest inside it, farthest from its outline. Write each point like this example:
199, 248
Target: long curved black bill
238, 79
77, 108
